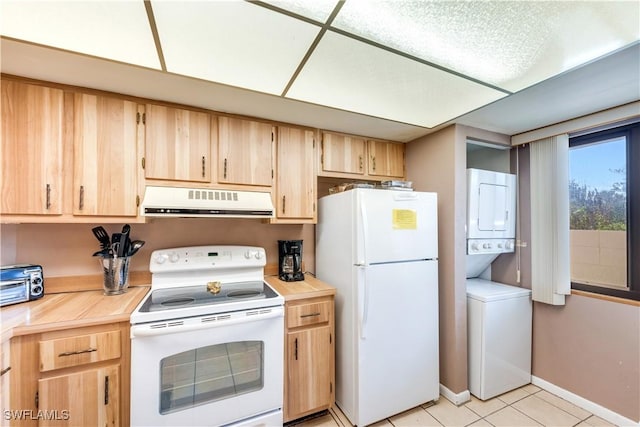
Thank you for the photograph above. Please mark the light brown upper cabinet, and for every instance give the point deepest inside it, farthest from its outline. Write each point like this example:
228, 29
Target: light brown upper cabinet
351, 157
386, 159
342, 154
245, 152
105, 156
177, 144
32, 144
296, 179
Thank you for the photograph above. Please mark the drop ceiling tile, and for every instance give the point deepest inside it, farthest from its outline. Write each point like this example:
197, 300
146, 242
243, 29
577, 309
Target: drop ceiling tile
354, 76
509, 44
232, 42
118, 30
318, 10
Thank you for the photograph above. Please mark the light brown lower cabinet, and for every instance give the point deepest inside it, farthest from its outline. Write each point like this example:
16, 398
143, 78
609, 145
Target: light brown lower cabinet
5, 380
310, 357
88, 398
71, 377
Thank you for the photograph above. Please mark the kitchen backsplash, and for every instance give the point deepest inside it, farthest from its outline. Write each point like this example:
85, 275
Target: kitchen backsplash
66, 249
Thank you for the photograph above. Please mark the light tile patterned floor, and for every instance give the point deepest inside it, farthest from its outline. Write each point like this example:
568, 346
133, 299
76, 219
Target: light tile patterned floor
526, 406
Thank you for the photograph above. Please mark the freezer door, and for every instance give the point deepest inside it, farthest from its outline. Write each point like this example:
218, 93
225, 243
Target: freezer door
395, 226
397, 340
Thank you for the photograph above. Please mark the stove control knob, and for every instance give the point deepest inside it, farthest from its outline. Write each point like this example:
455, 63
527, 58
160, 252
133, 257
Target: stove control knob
247, 254
258, 255
174, 257
475, 246
508, 245
160, 258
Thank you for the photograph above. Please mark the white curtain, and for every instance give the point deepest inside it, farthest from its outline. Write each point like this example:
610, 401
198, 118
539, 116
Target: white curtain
550, 268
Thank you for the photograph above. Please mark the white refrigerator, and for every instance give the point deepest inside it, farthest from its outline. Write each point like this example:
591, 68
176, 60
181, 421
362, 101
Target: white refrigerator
379, 248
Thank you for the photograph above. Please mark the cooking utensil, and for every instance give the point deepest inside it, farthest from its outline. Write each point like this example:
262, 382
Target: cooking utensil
134, 246
123, 249
102, 236
116, 244
102, 252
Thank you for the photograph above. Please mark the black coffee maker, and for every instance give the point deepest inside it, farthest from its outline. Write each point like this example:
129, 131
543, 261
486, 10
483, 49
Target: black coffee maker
290, 260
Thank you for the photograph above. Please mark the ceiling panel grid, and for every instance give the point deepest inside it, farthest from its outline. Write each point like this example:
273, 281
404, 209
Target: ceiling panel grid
416, 63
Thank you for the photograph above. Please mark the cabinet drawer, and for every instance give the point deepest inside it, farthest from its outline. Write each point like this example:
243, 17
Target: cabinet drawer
79, 350
308, 314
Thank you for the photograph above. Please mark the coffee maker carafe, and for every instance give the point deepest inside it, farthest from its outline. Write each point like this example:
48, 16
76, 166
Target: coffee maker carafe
290, 260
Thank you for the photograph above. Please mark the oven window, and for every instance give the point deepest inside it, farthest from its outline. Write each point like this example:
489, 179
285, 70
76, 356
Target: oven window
210, 373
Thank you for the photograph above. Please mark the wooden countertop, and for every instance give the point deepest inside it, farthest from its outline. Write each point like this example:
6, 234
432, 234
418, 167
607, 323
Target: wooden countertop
310, 287
68, 310
91, 307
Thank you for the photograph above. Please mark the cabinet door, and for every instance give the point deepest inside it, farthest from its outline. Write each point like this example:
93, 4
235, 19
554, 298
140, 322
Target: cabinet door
245, 152
295, 178
343, 153
309, 364
32, 139
177, 144
5, 382
87, 398
105, 156
386, 159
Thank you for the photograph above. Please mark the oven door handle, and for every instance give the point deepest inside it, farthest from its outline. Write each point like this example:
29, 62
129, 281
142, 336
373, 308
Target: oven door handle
170, 327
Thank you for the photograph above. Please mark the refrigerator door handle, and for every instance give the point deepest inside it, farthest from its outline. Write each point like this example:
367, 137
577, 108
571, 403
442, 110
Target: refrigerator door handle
365, 226
407, 195
365, 302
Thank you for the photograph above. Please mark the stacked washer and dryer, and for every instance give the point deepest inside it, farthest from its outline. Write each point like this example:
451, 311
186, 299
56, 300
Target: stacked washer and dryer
498, 315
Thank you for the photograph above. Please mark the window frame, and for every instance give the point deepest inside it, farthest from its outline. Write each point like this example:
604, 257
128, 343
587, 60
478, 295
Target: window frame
632, 134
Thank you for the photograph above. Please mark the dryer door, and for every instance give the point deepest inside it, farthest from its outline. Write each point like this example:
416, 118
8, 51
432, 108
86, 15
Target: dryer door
493, 212
491, 205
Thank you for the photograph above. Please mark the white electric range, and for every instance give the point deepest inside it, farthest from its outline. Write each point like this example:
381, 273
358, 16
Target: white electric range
207, 342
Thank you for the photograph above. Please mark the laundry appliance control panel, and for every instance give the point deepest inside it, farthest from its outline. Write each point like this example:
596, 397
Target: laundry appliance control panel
490, 246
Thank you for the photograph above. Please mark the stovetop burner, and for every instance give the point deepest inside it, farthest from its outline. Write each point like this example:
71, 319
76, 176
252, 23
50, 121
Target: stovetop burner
193, 296
177, 302
247, 293
208, 280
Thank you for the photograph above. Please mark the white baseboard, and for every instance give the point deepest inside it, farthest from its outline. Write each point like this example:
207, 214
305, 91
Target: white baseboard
594, 408
455, 398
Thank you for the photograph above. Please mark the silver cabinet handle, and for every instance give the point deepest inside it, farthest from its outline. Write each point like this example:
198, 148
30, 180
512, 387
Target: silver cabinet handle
81, 204
203, 166
225, 168
71, 353
48, 205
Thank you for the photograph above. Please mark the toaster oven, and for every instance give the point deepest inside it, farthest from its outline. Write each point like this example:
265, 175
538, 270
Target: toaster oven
20, 283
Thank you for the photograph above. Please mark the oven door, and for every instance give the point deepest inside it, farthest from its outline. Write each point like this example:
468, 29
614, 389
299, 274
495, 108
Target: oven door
208, 370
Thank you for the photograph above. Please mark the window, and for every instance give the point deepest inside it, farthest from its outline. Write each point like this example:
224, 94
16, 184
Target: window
604, 203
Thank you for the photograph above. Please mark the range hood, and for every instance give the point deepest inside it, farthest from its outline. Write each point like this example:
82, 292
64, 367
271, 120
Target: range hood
197, 202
